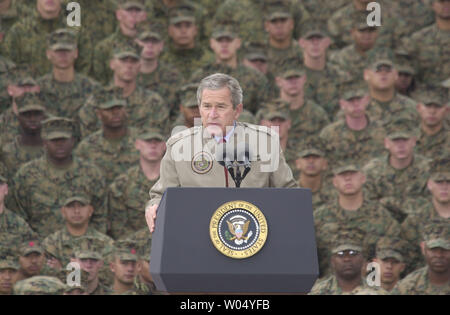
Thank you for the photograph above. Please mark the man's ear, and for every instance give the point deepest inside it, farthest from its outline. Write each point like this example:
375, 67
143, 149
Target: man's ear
422, 248
47, 53
302, 42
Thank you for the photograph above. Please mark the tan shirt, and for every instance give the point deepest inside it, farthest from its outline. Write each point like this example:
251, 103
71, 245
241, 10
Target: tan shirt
202, 169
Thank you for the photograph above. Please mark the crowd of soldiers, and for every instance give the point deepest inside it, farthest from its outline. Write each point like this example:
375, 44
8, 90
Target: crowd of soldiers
362, 113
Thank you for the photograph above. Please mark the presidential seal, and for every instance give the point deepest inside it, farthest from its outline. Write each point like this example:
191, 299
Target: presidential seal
238, 229
202, 162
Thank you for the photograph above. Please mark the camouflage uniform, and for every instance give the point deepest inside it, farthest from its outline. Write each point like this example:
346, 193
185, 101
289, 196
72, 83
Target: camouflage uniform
340, 25
430, 49
358, 146
144, 107
103, 53
40, 285
26, 43
14, 230
279, 58
371, 217
417, 14
16, 11
9, 126
126, 201
322, 10
252, 82
61, 244
94, 11
40, 187
435, 235
251, 26
112, 157
393, 187
7, 68
437, 145
14, 153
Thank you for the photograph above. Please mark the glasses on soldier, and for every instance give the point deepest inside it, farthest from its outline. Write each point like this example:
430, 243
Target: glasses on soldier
347, 252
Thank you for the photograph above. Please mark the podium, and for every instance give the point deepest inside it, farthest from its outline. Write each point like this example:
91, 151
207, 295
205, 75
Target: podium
187, 255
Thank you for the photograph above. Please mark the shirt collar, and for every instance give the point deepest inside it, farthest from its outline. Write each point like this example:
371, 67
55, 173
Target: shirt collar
228, 136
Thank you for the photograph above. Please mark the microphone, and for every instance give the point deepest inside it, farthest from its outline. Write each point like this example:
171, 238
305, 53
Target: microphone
243, 158
225, 157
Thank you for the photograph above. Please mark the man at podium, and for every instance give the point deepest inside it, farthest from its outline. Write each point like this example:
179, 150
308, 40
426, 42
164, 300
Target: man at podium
190, 159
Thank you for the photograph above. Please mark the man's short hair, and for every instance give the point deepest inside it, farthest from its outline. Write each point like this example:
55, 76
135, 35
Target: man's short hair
218, 81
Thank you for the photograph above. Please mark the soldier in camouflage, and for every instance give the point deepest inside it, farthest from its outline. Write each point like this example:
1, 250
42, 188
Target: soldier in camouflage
390, 255
323, 79
11, 11
125, 267
7, 70
308, 118
429, 46
32, 261
28, 145
354, 209
157, 75
188, 109
64, 90
281, 47
59, 246
14, 230
254, 55
128, 194
40, 285
26, 42
184, 51
129, 14
432, 209
225, 44
434, 278
352, 59
111, 148
144, 107
8, 271
356, 137
312, 164
347, 259
9, 124
42, 185
434, 139
401, 174
251, 26
386, 104
89, 254
340, 23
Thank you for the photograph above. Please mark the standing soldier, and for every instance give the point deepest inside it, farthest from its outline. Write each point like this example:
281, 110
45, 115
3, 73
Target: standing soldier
28, 145
111, 148
129, 14
144, 107
434, 139
14, 230
184, 51
308, 118
429, 47
189, 110
434, 278
41, 186
64, 90
128, 193
157, 75
7, 70
323, 79
355, 210
225, 43
356, 138
400, 175
26, 42
11, 11
9, 123
32, 261
59, 246
8, 271
433, 209
392, 260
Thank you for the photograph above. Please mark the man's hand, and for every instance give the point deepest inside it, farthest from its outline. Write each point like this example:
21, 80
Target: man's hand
150, 217
54, 263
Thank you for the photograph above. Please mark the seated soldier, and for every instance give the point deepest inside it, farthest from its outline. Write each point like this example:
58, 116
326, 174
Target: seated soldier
389, 255
354, 209
125, 266
8, 271
434, 278
76, 212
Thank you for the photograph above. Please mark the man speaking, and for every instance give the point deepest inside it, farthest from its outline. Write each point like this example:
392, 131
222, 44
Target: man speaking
190, 159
